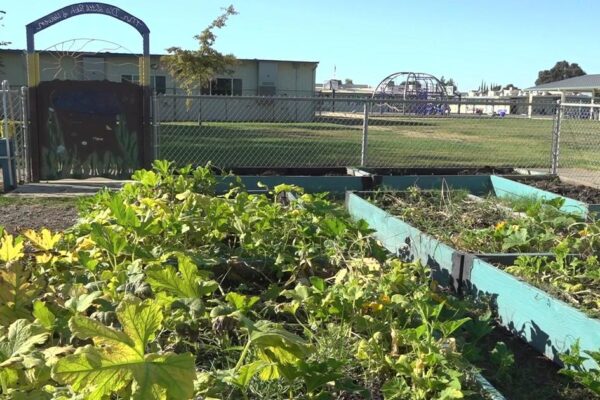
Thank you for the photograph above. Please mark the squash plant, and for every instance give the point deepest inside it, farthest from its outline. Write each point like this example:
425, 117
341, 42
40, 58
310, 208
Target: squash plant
165, 290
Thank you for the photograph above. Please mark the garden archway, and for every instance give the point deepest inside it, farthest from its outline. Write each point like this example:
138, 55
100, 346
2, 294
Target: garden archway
88, 126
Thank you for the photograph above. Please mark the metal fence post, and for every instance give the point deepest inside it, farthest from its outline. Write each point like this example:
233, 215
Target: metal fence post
5, 107
556, 139
9, 151
365, 133
155, 124
25, 134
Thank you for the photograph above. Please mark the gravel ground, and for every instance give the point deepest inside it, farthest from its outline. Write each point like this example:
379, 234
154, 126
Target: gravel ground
18, 214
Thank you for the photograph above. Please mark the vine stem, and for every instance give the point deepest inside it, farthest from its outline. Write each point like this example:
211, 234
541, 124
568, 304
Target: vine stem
242, 356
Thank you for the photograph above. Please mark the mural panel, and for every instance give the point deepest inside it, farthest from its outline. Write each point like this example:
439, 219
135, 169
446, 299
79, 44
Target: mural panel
89, 128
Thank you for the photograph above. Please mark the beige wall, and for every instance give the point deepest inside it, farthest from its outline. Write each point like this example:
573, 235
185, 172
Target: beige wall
293, 78
14, 69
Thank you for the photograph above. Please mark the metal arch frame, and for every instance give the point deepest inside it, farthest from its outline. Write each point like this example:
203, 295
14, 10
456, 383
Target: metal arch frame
416, 75
76, 9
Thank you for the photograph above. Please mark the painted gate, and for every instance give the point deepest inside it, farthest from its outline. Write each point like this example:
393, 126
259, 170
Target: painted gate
89, 128
83, 128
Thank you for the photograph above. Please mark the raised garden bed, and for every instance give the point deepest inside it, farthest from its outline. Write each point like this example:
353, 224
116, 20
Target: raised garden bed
445, 171
510, 187
480, 185
585, 194
238, 296
548, 324
313, 180
254, 296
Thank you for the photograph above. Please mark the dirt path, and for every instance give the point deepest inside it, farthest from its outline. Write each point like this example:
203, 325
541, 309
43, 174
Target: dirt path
18, 214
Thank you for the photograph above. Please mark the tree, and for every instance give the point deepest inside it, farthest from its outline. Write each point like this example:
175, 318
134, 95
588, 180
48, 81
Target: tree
447, 82
561, 70
193, 69
510, 86
2, 42
483, 87
348, 81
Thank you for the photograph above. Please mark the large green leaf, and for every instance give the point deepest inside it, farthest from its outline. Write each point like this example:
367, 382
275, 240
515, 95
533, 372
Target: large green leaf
173, 372
96, 373
80, 303
43, 315
112, 241
124, 214
280, 350
120, 359
21, 338
187, 283
140, 322
85, 328
15, 346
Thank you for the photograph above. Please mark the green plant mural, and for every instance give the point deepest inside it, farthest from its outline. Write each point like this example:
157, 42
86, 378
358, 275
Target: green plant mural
88, 129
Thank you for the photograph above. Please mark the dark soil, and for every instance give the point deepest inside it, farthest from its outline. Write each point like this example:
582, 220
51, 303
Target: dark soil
582, 193
285, 171
19, 214
532, 377
442, 171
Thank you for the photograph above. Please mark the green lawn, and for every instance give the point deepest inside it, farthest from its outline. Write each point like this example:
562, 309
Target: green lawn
393, 142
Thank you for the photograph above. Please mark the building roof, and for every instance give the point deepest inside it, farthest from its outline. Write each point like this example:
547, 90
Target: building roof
579, 83
22, 51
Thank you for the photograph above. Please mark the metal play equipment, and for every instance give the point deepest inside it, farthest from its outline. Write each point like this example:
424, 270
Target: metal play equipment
426, 93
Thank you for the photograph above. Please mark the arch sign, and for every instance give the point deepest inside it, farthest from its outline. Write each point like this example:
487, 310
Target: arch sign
87, 8
84, 128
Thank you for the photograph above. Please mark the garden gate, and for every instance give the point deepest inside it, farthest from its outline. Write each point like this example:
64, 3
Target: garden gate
14, 152
83, 124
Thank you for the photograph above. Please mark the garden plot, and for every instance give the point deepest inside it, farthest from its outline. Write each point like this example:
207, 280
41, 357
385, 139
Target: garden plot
504, 187
241, 295
312, 180
533, 240
166, 290
585, 194
455, 235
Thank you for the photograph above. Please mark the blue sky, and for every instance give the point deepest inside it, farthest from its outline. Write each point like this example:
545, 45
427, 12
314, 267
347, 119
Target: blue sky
503, 42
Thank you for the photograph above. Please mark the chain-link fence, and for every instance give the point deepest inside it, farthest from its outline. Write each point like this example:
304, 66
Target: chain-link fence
239, 131
14, 125
577, 138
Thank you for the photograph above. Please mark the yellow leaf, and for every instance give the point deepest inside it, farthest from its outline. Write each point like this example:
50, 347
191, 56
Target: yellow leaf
43, 258
85, 244
11, 249
44, 240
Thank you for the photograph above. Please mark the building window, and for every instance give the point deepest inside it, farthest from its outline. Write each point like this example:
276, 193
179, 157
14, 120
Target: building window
237, 87
223, 87
159, 84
